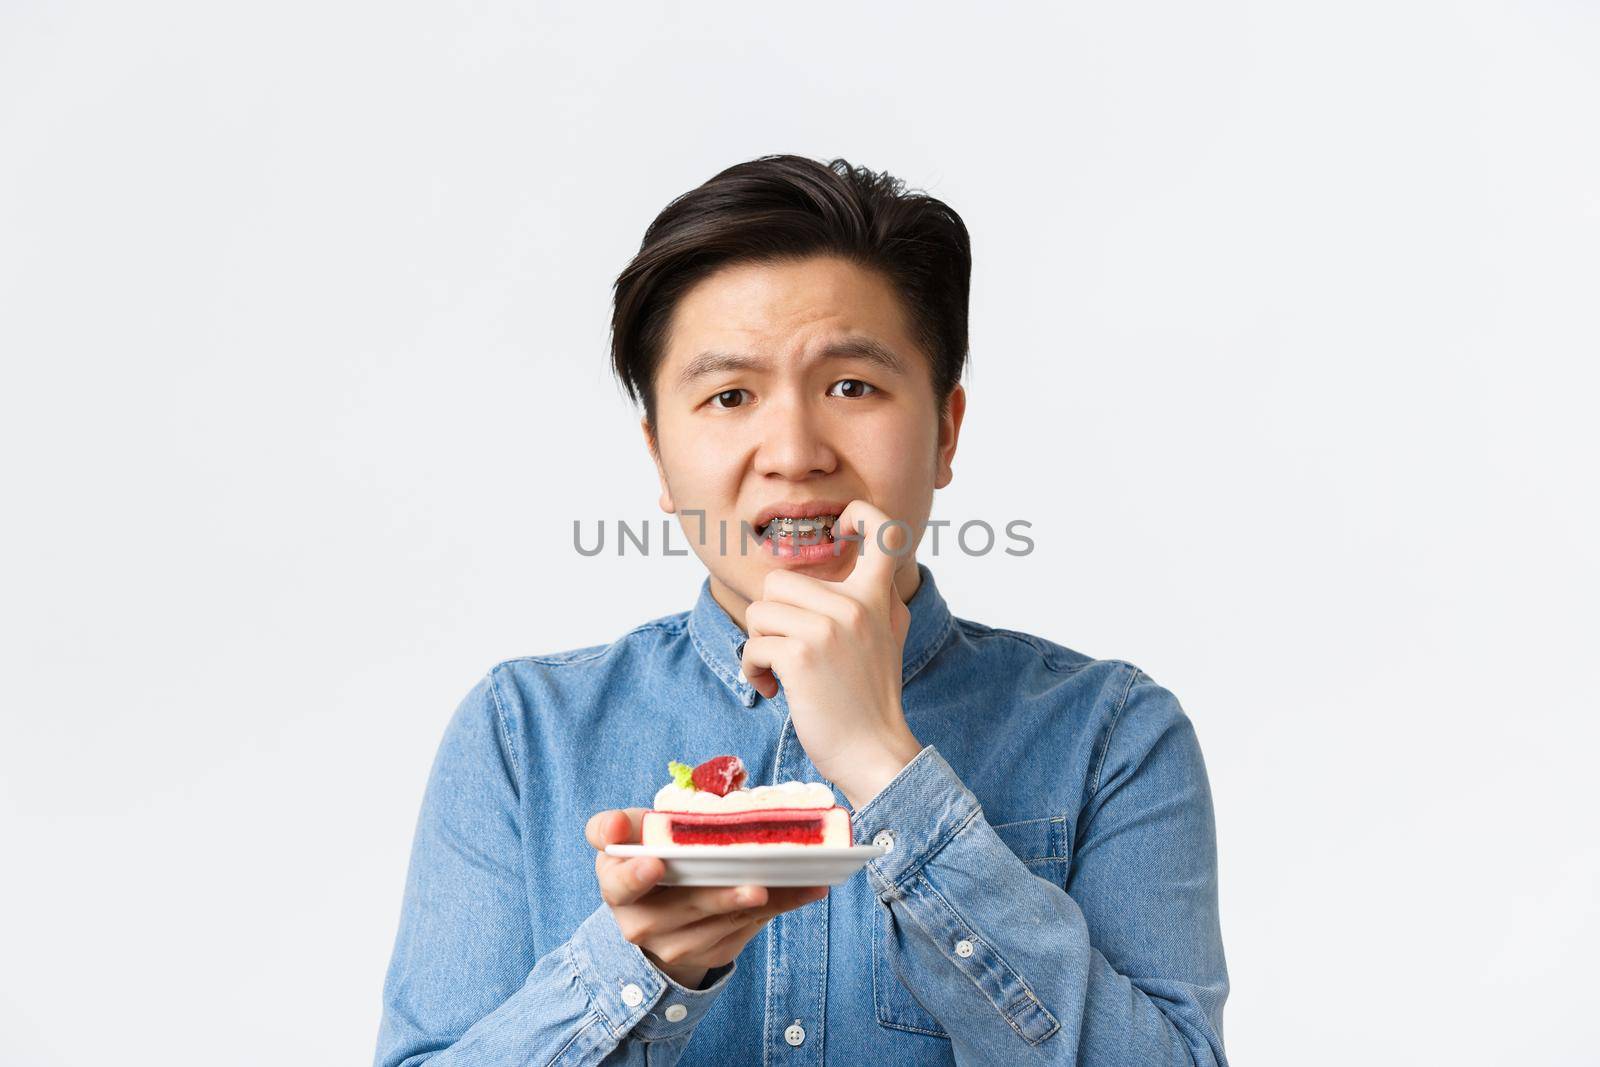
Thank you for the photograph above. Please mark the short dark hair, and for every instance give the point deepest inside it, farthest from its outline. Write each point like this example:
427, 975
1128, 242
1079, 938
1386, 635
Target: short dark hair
782, 207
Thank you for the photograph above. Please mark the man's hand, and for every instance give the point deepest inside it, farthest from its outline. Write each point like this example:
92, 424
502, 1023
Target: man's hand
838, 648
684, 930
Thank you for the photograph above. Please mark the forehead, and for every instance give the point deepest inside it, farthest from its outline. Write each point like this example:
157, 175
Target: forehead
782, 309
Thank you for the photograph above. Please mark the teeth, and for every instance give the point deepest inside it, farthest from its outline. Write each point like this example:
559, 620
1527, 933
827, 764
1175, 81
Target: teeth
802, 525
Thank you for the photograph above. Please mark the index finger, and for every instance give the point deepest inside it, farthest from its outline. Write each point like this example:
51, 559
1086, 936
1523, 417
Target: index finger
879, 549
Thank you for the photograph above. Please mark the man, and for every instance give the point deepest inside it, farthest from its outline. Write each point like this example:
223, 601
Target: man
796, 332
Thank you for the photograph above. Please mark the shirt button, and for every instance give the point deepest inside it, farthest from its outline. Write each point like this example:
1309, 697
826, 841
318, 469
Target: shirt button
632, 995
742, 679
884, 840
795, 1034
963, 948
676, 1012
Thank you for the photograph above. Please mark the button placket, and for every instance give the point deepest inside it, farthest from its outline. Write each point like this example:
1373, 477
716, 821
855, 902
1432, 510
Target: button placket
797, 947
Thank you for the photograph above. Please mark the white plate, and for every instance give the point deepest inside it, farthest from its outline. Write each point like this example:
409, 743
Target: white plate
768, 865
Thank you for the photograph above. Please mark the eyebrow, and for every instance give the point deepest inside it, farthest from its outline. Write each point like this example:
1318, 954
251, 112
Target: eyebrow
862, 348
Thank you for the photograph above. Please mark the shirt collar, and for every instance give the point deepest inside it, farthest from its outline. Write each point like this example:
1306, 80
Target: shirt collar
719, 640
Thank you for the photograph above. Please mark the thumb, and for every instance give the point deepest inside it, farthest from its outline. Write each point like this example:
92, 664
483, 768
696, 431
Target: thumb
617, 826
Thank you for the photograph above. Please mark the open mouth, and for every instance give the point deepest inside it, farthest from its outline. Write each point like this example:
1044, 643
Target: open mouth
798, 530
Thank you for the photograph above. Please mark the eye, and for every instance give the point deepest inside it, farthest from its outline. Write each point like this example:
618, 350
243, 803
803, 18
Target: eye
860, 385
735, 393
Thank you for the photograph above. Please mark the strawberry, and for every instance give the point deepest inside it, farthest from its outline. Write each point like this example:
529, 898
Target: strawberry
720, 775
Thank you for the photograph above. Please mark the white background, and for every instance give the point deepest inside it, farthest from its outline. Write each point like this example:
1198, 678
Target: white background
1283, 336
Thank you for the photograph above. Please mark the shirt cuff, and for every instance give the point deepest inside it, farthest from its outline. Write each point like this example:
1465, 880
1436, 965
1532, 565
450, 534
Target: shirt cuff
634, 996
915, 815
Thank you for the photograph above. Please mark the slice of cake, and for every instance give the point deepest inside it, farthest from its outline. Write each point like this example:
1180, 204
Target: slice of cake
708, 805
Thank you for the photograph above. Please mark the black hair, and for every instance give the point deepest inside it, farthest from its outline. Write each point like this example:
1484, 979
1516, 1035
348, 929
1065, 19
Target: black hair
784, 207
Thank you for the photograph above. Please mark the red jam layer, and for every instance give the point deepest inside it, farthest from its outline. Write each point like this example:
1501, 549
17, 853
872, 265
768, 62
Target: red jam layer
804, 827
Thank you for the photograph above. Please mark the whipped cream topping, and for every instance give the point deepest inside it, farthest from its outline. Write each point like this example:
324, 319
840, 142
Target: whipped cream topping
673, 797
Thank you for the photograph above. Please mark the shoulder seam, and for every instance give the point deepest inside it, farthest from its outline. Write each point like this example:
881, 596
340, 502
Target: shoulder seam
1037, 644
564, 659
1116, 717
504, 720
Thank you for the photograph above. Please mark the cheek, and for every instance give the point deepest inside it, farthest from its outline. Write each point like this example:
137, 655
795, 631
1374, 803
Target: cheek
710, 476
893, 447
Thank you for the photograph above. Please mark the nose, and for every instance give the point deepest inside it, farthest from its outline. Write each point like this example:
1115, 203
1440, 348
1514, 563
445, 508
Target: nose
793, 444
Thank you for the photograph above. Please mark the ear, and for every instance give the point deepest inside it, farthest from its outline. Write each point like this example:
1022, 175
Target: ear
949, 432
661, 472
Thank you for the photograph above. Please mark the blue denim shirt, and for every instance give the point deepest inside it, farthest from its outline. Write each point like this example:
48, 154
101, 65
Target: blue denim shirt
1050, 895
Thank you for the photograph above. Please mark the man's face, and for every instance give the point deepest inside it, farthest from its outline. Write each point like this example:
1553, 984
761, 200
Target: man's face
792, 420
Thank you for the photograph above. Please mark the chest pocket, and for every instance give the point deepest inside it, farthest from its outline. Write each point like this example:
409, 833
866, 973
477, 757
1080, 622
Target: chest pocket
1041, 844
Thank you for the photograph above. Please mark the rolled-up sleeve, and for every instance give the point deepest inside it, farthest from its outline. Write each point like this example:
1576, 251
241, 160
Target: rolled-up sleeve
1123, 966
